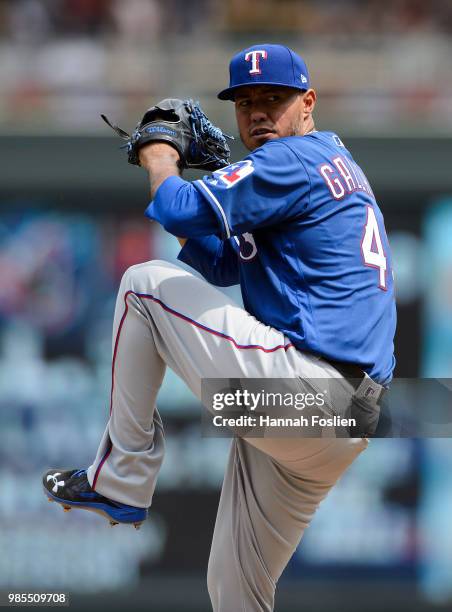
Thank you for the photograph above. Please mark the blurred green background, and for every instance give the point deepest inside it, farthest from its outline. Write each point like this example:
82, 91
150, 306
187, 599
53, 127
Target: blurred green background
71, 222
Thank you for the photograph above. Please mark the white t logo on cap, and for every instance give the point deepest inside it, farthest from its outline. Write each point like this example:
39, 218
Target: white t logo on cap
253, 56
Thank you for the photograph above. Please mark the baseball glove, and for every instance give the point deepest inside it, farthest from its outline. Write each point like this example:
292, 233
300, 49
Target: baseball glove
183, 125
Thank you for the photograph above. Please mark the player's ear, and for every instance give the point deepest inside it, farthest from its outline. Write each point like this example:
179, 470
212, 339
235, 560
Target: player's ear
309, 99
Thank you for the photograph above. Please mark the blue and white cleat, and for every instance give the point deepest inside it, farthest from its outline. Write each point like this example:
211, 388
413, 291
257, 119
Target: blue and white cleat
71, 489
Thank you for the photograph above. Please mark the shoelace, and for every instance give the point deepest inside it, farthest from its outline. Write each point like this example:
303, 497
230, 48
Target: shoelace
78, 473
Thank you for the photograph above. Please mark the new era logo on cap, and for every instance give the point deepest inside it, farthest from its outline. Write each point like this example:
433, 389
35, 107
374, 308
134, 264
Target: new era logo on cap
266, 65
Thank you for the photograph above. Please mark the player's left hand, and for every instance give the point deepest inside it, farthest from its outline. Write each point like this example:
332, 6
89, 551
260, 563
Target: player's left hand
182, 125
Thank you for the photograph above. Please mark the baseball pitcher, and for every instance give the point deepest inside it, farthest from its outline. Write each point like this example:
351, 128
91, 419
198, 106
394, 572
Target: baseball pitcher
296, 224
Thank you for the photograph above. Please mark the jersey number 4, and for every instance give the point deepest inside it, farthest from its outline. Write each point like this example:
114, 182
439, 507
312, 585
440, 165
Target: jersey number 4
372, 247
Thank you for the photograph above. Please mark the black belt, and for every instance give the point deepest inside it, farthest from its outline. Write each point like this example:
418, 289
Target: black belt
353, 373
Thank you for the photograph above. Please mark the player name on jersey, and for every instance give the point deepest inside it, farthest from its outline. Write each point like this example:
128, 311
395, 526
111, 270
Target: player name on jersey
343, 177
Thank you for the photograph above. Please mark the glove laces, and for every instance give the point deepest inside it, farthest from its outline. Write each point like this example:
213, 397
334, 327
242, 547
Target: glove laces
199, 120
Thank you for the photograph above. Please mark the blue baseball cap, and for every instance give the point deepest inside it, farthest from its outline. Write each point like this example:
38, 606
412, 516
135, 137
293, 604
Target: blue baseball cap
266, 65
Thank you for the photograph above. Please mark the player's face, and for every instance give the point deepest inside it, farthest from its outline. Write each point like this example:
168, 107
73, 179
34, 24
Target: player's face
266, 112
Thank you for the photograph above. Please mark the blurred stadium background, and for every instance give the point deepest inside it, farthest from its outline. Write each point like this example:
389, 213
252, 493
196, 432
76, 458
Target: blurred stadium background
71, 221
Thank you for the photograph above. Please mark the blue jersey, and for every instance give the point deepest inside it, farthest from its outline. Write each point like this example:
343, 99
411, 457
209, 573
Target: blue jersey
297, 225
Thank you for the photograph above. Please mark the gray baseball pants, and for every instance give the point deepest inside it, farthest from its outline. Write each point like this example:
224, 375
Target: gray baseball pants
272, 487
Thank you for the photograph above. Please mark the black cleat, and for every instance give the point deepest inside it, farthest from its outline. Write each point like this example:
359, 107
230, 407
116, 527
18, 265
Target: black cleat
71, 489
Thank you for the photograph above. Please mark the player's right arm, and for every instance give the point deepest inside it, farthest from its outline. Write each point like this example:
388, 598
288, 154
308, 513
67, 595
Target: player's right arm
267, 188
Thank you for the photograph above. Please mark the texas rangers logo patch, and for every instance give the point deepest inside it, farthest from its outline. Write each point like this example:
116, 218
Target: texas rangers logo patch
234, 173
